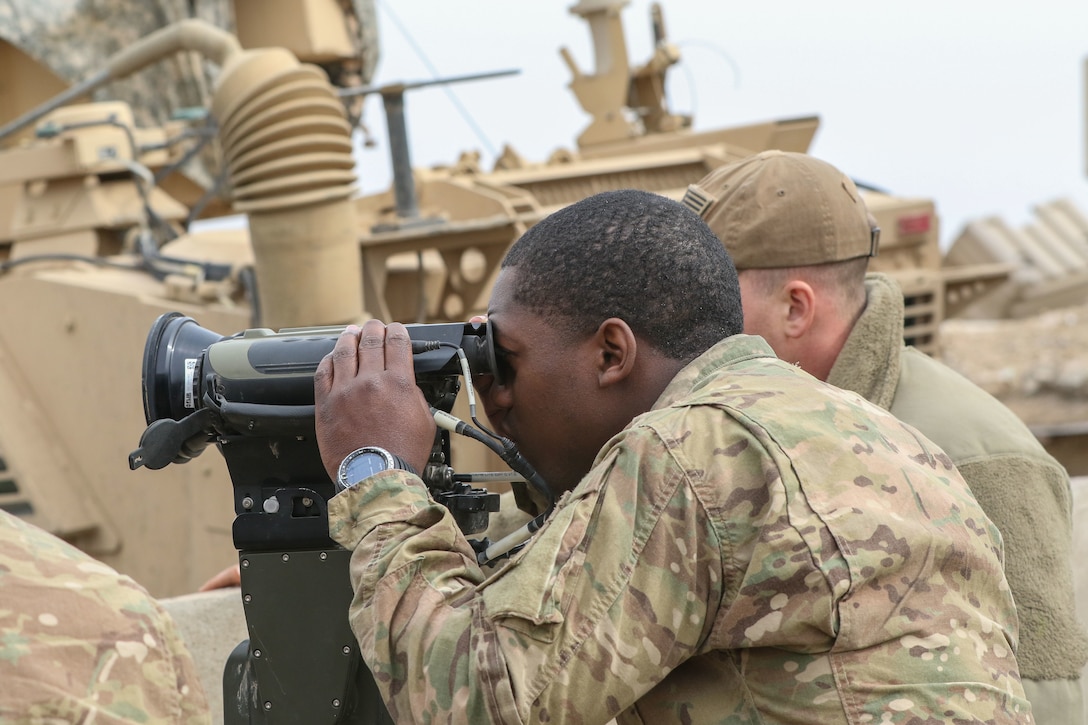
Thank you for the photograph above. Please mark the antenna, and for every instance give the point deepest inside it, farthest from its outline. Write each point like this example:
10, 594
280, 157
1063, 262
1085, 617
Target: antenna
404, 187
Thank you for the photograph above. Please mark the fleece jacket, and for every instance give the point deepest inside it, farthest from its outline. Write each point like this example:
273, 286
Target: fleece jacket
1024, 490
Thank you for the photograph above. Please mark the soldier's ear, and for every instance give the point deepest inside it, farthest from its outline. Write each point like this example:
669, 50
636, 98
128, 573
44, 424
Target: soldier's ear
615, 350
800, 310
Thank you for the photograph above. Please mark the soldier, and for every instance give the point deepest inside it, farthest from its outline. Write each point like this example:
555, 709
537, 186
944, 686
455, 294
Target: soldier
81, 643
801, 239
735, 540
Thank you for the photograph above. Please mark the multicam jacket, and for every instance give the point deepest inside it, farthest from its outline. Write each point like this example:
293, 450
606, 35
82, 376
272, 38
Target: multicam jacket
80, 643
759, 547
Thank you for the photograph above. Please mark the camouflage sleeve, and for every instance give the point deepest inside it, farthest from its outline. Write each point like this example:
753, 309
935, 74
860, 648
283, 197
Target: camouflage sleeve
81, 643
616, 590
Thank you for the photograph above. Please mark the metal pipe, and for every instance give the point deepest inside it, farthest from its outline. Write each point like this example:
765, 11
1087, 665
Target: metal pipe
193, 34
404, 185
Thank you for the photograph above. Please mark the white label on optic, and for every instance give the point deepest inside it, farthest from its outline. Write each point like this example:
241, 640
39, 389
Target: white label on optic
190, 381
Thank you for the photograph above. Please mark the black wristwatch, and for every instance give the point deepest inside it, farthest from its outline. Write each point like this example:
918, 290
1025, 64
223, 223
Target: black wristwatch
365, 462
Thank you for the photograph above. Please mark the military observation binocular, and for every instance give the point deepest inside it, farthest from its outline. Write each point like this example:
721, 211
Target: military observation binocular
252, 395
197, 383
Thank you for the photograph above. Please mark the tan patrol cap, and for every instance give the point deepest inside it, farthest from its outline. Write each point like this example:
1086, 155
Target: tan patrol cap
782, 209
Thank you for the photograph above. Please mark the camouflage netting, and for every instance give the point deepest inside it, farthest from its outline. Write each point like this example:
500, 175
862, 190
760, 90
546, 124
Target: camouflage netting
75, 37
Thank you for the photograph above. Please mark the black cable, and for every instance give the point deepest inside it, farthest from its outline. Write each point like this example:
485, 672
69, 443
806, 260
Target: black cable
207, 196
204, 136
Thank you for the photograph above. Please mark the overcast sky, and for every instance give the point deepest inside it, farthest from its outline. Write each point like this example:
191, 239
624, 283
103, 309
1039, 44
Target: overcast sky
975, 104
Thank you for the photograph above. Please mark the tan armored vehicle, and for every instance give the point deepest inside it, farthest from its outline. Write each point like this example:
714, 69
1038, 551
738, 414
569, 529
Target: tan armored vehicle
98, 202
94, 210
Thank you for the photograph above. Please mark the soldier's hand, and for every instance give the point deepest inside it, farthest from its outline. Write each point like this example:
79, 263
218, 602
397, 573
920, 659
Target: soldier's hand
229, 577
365, 394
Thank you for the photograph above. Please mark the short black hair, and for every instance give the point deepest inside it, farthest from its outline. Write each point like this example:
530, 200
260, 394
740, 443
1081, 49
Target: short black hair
635, 255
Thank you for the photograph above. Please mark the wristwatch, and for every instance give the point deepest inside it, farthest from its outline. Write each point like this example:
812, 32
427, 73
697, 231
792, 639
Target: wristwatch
365, 462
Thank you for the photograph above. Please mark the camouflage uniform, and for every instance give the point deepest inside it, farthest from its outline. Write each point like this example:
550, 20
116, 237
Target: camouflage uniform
759, 547
1018, 484
80, 643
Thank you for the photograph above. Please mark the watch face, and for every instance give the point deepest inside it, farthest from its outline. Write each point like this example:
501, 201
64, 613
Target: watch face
360, 466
